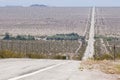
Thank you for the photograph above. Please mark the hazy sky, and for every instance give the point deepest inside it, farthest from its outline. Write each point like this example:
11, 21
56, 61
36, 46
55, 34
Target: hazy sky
62, 2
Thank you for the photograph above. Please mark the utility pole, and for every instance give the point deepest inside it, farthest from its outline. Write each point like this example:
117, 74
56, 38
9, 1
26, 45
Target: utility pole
114, 47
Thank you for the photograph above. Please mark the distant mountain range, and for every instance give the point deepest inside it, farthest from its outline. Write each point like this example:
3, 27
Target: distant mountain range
33, 5
38, 5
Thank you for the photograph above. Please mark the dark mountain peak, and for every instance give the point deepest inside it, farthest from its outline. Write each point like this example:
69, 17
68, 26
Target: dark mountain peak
38, 5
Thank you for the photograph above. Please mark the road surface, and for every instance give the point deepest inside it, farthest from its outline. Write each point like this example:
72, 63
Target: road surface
89, 52
80, 42
38, 69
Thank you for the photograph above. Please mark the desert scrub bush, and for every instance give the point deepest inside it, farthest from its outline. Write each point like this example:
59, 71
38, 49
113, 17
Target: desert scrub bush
59, 57
40, 46
36, 56
77, 57
18, 37
10, 54
71, 36
117, 56
103, 57
106, 66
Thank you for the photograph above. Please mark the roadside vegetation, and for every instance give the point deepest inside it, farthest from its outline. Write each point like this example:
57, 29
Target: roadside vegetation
18, 37
10, 54
71, 36
56, 46
107, 49
52, 49
106, 66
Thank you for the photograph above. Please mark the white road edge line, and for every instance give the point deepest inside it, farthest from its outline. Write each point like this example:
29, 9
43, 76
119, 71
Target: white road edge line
33, 73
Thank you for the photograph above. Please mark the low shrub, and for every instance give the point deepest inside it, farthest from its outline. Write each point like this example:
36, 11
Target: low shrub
36, 56
59, 57
104, 57
10, 54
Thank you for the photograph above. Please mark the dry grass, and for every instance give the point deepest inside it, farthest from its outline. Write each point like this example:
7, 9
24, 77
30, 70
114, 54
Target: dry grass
10, 54
106, 66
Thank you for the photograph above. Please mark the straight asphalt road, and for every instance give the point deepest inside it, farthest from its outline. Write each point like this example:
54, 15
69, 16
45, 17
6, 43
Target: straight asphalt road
42, 69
